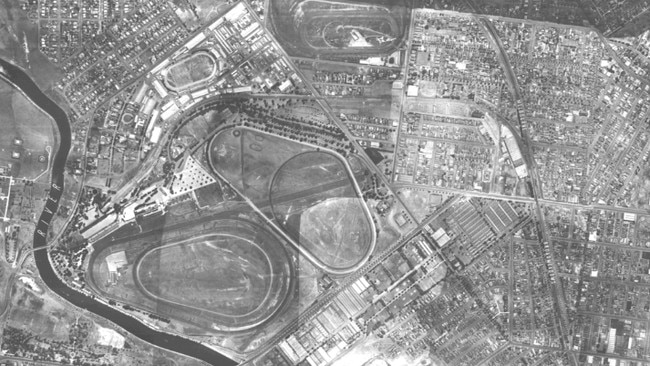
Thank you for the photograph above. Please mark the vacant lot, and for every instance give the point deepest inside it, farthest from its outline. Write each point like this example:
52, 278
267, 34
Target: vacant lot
41, 315
420, 202
208, 10
306, 171
337, 231
248, 159
26, 132
372, 107
322, 212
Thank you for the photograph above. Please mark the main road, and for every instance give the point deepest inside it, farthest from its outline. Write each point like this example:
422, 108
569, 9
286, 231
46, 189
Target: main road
329, 295
525, 145
328, 111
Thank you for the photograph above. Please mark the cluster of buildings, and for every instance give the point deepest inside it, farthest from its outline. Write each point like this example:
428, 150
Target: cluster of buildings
330, 332
451, 57
504, 295
610, 226
614, 304
370, 131
634, 52
372, 79
116, 145
389, 291
579, 99
565, 12
451, 128
620, 148
597, 227
453, 165
529, 355
559, 221
533, 314
40, 349
233, 54
558, 73
339, 90
142, 201
515, 37
65, 25
614, 15
364, 76
500, 288
450, 325
121, 53
69, 264
245, 54
470, 226
616, 337
510, 148
574, 132
602, 261
445, 163
445, 138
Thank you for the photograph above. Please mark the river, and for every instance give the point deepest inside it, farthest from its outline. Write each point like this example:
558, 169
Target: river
52, 281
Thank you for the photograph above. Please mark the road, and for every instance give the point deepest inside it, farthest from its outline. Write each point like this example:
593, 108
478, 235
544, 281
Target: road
328, 111
525, 145
254, 318
26, 361
301, 249
619, 61
522, 199
402, 101
310, 192
324, 299
330, 295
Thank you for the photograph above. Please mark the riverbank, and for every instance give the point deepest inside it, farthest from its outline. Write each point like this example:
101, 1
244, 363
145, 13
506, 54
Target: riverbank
173, 343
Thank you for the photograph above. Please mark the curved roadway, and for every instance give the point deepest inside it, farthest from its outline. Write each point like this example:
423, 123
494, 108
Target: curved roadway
173, 343
315, 261
263, 303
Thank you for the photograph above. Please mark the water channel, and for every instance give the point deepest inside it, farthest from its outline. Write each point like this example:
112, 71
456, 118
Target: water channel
163, 340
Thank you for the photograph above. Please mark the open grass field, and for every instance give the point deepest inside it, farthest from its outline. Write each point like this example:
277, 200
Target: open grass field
421, 203
307, 191
315, 202
26, 132
248, 159
191, 71
221, 271
229, 274
307, 170
210, 195
375, 107
337, 231
225, 156
44, 318
210, 9
201, 125
42, 315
